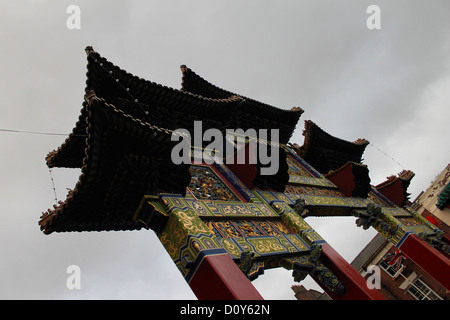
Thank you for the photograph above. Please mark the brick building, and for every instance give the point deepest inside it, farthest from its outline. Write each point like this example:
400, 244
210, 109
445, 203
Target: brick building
401, 278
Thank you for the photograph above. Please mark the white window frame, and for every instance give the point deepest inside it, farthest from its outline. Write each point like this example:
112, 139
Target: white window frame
417, 285
390, 270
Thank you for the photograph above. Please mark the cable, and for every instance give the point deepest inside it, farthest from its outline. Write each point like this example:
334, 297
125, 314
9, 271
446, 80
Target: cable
41, 133
370, 143
53, 184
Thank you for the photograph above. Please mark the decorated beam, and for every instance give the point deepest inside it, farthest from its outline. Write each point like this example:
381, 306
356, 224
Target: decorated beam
255, 235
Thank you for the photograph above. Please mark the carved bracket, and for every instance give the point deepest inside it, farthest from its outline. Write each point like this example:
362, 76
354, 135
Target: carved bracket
251, 268
300, 208
373, 217
394, 228
310, 264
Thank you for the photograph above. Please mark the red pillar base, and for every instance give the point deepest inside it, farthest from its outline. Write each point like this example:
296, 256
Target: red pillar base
218, 278
428, 258
355, 285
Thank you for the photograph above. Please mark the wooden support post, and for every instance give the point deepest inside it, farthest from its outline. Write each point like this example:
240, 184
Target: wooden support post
435, 263
217, 277
355, 285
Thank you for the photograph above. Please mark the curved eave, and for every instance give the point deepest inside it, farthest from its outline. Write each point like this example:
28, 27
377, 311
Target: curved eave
404, 177
111, 134
396, 187
68, 155
121, 88
328, 153
193, 83
352, 178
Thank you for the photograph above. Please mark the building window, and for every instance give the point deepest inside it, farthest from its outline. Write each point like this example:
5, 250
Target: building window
420, 291
393, 271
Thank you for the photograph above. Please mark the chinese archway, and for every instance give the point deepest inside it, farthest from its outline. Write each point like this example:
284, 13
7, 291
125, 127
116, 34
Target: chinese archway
223, 225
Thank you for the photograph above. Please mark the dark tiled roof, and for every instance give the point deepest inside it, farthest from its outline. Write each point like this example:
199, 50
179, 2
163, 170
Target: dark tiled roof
248, 114
124, 159
157, 104
327, 153
169, 108
405, 176
122, 144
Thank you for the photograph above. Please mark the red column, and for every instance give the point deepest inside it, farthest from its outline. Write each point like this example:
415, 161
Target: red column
219, 278
435, 263
355, 285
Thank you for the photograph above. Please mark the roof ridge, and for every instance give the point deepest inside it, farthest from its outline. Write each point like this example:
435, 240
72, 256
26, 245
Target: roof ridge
186, 70
96, 55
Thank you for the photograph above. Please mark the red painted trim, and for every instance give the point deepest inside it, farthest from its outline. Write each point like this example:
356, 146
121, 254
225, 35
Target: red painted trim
435, 263
247, 171
343, 178
355, 285
228, 184
219, 278
394, 192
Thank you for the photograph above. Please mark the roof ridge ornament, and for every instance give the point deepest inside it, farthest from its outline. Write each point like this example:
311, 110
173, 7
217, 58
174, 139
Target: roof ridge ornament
361, 141
297, 109
89, 50
90, 97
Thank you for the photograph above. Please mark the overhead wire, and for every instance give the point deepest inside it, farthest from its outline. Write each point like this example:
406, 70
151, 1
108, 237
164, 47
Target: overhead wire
386, 155
40, 133
47, 134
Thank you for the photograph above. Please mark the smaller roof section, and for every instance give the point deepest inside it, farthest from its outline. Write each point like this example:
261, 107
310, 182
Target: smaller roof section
395, 187
247, 114
125, 159
352, 179
327, 153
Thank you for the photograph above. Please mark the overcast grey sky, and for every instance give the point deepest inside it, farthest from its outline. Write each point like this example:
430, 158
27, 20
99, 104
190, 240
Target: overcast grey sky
389, 86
